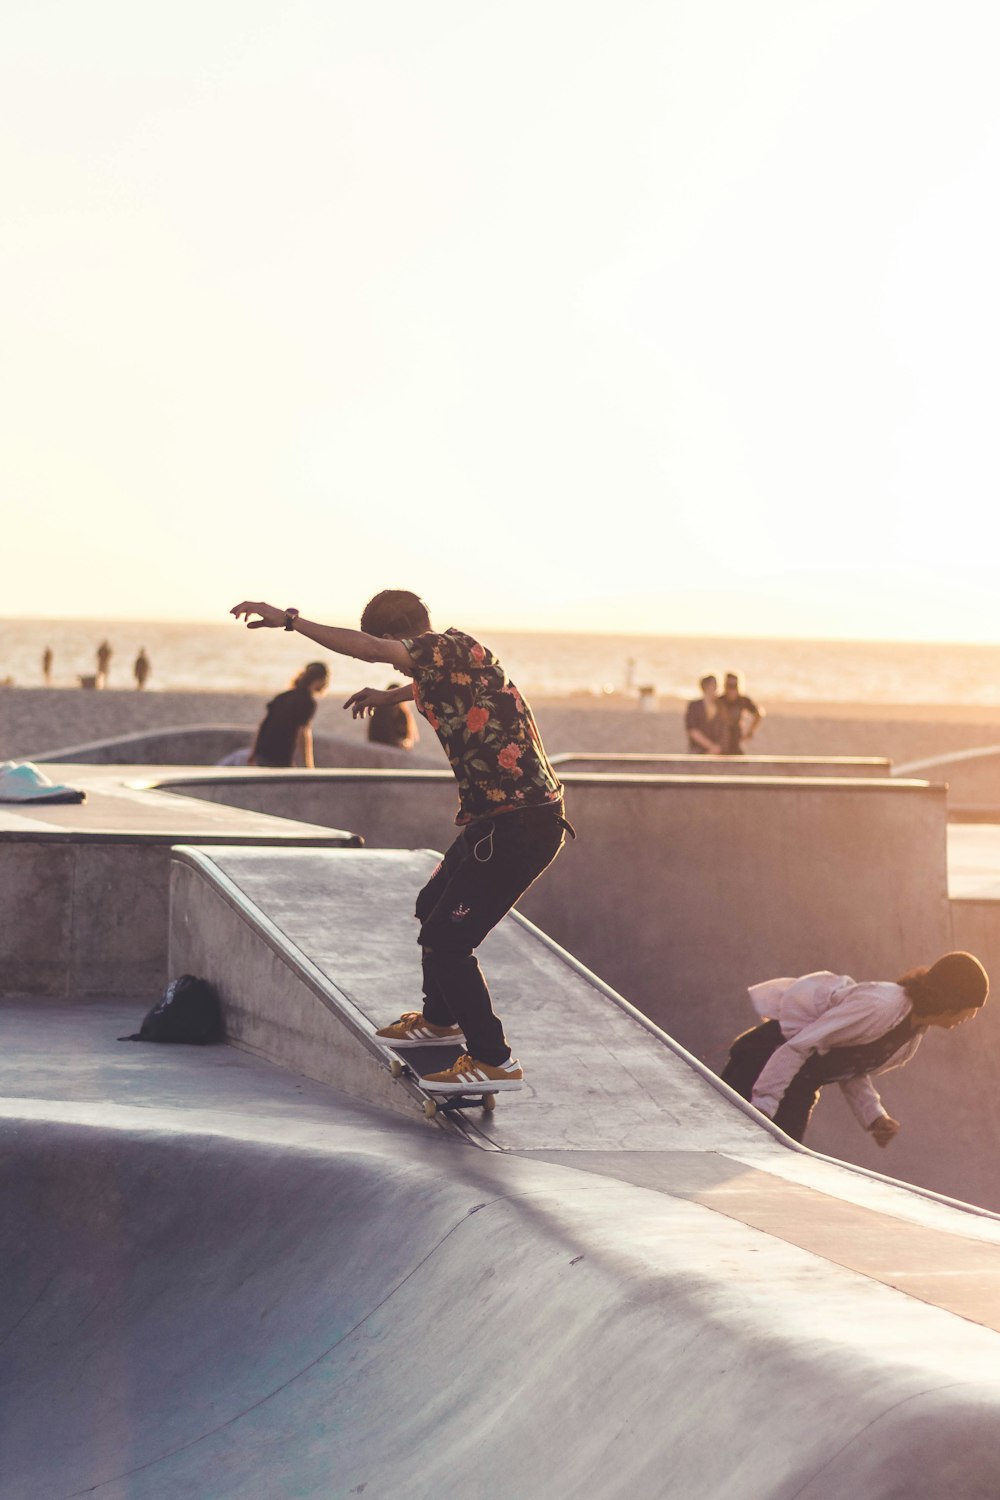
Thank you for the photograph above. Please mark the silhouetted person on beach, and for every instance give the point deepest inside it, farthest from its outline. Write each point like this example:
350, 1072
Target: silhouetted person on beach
510, 812
285, 731
103, 664
825, 1028
738, 716
142, 669
392, 723
702, 719
47, 666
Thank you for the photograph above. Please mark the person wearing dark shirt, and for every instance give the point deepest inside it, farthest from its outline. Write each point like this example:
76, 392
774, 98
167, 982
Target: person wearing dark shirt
702, 720
141, 669
285, 730
510, 813
392, 724
734, 706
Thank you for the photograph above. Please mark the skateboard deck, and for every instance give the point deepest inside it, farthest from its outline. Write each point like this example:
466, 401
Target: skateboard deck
413, 1062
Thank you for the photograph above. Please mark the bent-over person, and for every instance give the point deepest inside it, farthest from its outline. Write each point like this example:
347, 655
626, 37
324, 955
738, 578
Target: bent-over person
826, 1028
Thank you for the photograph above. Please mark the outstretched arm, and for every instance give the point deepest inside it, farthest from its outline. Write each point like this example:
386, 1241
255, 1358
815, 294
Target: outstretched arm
365, 699
356, 643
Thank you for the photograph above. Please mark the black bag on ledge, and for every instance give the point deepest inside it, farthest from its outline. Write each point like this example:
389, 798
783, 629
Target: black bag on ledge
188, 1012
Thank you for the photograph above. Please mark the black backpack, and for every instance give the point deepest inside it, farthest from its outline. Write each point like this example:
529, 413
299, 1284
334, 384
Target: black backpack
188, 1012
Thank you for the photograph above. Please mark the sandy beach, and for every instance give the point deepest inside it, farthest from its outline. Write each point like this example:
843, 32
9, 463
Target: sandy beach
35, 721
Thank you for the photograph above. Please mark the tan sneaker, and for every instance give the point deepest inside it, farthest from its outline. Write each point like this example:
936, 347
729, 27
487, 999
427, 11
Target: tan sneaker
412, 1030
467, 1076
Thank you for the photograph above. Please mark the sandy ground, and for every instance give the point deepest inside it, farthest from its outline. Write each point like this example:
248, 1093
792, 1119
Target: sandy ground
37, 720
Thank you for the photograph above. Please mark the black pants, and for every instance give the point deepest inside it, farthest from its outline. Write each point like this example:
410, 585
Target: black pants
490, 864
747, 1057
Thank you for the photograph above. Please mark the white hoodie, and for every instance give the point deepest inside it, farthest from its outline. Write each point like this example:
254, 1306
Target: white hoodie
819, 1012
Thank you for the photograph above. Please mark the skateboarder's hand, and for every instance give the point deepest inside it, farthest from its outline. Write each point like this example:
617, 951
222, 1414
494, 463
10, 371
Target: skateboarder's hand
270, 617
884, 1129
365, 700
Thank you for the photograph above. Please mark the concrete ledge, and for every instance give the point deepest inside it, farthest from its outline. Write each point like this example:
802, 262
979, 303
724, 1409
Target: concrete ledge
206, 744
84, 889
728, 765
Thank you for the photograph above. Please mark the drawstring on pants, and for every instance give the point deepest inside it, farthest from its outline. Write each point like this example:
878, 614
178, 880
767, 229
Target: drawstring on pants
487, 840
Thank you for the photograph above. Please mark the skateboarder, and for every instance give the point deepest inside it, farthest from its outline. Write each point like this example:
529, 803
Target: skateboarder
825, 1028
510, 813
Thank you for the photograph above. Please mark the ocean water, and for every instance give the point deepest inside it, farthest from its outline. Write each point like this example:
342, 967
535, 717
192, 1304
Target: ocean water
227, 657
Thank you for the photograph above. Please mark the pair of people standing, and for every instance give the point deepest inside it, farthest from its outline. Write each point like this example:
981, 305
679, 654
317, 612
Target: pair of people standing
720, 724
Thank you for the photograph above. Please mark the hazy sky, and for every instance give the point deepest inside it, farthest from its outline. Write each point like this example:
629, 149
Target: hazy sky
667, 316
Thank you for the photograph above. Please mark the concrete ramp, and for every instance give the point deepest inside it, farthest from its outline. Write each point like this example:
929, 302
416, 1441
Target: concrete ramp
224, 1282
311, 953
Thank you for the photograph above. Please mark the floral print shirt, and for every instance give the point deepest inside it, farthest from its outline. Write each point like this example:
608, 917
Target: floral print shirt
487, 730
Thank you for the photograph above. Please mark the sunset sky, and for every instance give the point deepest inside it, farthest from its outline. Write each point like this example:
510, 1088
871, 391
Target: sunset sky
595, 314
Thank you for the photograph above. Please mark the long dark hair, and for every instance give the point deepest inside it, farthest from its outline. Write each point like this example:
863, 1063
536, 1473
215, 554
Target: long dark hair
920, 996
956, 982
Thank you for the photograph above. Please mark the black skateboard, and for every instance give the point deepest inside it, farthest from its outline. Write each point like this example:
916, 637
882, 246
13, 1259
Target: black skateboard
413, 1062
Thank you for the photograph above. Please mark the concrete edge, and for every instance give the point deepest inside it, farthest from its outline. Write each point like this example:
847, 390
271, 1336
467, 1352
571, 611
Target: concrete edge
237, 775
564, 757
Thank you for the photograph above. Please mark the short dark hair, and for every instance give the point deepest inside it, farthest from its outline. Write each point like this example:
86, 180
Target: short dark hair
711, 677
395, 612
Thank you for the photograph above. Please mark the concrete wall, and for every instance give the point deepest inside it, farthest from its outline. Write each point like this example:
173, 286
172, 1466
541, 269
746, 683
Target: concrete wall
272, 1006
973, 781
89, 916
82, 918
679, 893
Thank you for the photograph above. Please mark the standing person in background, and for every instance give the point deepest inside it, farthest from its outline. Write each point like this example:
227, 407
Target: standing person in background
47, 666
825, 1028
738, 716
393, 723
510, 814
285, 730
702, 720
103, 665
142, 668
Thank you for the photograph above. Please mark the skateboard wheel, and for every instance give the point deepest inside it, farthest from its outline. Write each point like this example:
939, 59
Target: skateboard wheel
396, 1068
430, 1108
489, 1103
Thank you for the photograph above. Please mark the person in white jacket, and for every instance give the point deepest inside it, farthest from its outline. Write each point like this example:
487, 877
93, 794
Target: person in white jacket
826, 1028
